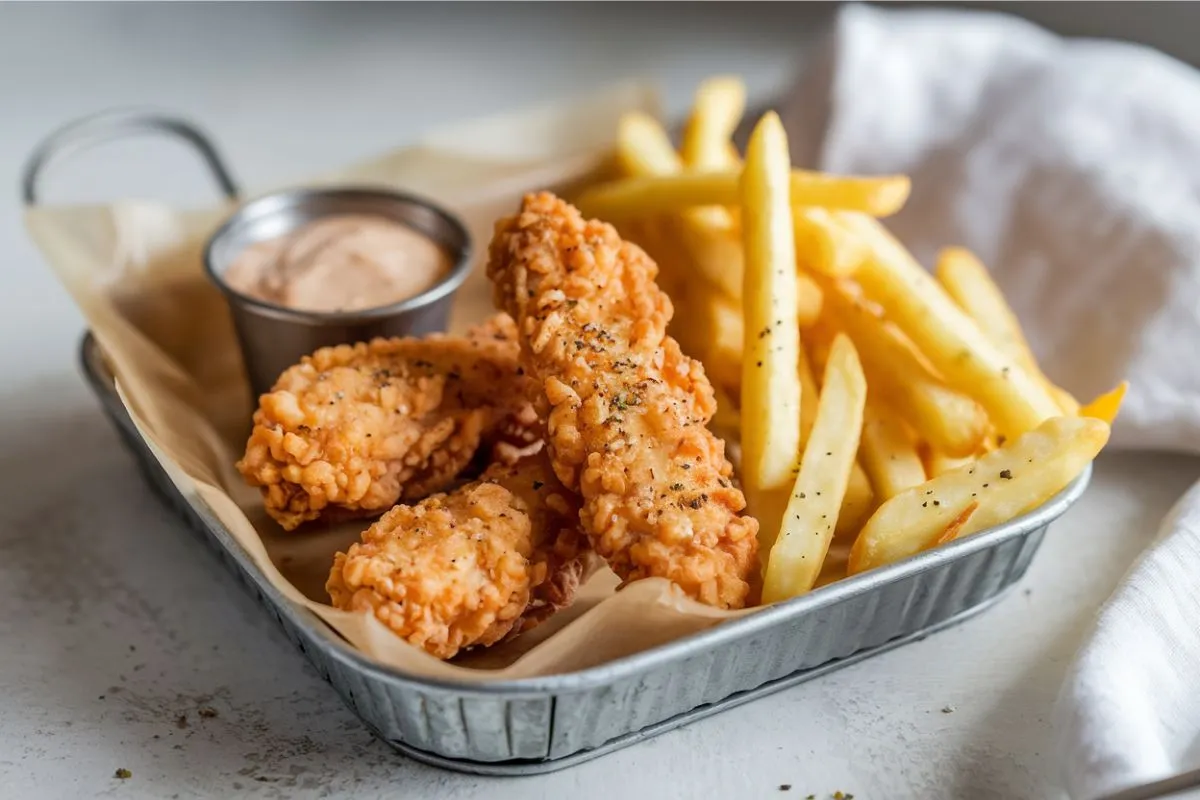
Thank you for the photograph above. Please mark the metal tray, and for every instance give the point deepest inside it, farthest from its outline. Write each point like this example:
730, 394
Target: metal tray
537, 725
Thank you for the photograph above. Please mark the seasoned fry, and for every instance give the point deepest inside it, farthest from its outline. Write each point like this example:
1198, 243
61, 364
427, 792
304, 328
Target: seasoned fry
887, 452
1107, 405
1007, 482
716, 112
770, 376
967, 281
950, 339
949, 420
657, 188
808, 522
860, 497
938, 463
954, 528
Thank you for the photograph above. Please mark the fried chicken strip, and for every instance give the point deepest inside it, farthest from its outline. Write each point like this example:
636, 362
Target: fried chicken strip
351, 430
626, 411
473, 566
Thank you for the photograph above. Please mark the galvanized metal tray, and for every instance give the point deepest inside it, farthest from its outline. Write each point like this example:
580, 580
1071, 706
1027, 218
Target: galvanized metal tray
536, 725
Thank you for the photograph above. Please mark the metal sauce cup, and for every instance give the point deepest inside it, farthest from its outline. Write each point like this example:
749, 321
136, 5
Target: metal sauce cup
274, 337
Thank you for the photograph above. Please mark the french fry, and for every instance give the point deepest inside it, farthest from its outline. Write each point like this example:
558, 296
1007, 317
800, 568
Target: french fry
799, 551
809, 394
770, 374
1107, 405
717, 321
955, 528
967, 281
860, 497
643, 148
951, 421
707, 236
716, 112
938, 463
1005, 483
809, 298
887, 451
824, 245
1066, 401
656, 188
857, 504
958, 350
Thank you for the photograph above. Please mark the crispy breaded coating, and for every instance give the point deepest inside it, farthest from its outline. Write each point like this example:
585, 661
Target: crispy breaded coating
626, 411
351, 430
470, 567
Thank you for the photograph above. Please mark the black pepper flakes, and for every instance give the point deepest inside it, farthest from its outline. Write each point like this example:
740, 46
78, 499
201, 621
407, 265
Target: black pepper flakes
1006, 474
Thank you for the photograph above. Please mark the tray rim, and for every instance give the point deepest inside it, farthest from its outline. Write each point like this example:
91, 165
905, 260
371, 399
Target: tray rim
91, 359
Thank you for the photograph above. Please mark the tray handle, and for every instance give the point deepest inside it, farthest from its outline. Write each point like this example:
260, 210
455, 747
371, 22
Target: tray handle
112, 125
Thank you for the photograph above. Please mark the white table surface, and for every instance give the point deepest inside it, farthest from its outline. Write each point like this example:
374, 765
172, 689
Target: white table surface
117, 624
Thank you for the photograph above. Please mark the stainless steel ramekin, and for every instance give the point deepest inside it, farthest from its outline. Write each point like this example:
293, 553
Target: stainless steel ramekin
274, 337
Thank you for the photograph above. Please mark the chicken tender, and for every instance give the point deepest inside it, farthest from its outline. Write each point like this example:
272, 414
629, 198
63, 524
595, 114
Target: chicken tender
626, 411
473, 566
351, 430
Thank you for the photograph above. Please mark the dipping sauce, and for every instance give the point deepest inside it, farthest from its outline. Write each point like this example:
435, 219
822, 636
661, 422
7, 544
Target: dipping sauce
345, 262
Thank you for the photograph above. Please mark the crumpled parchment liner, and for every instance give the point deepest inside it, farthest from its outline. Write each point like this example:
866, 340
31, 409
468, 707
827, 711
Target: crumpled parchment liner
134, 268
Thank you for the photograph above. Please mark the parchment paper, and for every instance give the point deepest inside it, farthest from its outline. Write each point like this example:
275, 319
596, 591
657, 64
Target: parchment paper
134, 268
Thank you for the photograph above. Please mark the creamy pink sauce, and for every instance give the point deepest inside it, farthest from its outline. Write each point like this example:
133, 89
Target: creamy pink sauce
340, 263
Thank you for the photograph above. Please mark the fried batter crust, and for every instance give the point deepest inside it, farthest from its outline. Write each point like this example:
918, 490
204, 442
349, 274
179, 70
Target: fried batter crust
626, 411
470, 567
351, 430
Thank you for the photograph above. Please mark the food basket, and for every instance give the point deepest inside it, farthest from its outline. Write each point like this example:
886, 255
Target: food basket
539, 724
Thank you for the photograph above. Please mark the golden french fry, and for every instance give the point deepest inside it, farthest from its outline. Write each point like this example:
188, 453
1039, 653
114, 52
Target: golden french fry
950, 420
1005, 483
1107, 405
824, 245
643, 148
1065, 400
706, 236
968, 282
857, 504
834, 568
717, 322
716, 113
953, 529
938, 463
887, 452
798, 552
809, 394
664, 191
953, 343
860, 497
770, 375
809, 298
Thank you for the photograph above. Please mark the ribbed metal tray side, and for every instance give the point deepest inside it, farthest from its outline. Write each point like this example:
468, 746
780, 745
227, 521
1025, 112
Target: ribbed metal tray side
858, 622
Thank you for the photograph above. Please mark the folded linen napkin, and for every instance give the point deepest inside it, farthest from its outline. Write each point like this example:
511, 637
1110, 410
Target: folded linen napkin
1072, 168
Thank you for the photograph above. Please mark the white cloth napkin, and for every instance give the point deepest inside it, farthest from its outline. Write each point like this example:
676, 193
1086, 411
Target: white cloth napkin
1072, 168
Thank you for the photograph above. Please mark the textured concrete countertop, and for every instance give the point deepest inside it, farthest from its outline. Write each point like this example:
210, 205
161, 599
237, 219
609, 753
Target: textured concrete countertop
125, 644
